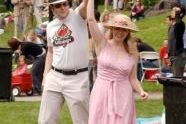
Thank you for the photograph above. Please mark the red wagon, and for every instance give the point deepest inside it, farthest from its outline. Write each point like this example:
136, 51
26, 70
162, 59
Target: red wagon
22, 83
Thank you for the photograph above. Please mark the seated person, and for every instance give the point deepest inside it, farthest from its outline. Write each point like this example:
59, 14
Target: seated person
137, 10
141, 46
144, 47
21, 67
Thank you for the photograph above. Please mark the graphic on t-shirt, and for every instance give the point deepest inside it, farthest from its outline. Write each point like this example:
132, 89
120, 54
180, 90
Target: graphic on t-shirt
63, 36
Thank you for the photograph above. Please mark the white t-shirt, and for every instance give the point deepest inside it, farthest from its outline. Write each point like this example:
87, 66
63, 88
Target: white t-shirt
69, 39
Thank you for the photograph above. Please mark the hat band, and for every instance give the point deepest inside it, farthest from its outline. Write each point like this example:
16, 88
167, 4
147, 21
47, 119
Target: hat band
51, 1
55, 1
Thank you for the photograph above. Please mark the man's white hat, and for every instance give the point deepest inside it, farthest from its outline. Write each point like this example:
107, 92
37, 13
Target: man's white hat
50, 2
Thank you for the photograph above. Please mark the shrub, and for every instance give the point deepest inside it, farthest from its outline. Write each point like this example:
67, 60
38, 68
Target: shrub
149, 3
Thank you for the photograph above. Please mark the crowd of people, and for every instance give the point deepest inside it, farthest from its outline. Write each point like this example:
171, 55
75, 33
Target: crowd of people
97, 85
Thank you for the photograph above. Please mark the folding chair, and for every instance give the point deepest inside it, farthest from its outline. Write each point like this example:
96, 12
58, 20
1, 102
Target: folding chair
150, 61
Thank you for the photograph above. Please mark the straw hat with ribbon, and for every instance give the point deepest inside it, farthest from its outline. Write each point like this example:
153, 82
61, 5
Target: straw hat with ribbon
122, 21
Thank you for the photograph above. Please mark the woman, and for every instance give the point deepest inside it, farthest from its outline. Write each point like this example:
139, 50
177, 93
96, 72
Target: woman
137, 10
112, 99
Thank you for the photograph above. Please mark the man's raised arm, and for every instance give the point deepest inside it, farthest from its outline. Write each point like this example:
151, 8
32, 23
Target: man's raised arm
83, 9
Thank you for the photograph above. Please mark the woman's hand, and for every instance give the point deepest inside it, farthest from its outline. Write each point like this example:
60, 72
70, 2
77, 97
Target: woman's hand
144, 95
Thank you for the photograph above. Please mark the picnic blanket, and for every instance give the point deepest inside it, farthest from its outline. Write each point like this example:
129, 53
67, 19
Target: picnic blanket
152, 120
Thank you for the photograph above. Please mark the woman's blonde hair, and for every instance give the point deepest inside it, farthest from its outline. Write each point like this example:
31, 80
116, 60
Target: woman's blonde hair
130, 45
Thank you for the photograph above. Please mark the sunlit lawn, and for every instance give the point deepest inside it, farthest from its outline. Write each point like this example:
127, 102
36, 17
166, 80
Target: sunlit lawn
27, 112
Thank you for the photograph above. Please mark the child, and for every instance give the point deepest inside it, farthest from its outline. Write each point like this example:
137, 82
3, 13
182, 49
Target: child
21, 66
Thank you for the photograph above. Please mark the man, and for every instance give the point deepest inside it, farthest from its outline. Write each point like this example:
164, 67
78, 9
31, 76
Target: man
66, 69
176, 30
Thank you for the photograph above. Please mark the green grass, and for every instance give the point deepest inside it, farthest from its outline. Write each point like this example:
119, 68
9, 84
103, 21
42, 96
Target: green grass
152, 87
9, 32
27, 112
153, 30
149, 108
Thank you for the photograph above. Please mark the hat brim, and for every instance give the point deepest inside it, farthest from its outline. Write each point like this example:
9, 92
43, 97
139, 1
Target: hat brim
107, 25
56, 2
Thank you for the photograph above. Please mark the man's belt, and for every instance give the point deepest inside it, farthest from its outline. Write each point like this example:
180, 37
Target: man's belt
70, 72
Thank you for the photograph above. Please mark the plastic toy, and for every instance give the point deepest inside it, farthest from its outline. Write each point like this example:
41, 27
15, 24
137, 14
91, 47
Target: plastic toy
22, 83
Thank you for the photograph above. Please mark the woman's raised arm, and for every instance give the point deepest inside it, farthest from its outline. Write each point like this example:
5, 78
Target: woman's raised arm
96, 34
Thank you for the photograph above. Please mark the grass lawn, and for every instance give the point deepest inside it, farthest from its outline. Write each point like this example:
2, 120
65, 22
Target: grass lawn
152, 87
27, 112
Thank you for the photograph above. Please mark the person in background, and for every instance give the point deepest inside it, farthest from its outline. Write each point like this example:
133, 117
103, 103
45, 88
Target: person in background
41, 34
31, 50
104, 17
21, 66
137, 10
164, 57
2, 25
66, 72
142, 47
111, 100
9, 5
36, 6
118, 5
32, 37
176, 53
21, 16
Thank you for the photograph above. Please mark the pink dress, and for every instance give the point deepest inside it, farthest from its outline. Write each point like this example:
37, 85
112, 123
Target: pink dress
21, 69
112, 100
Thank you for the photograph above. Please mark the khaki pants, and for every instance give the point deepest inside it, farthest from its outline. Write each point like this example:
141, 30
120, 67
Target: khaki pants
59, 88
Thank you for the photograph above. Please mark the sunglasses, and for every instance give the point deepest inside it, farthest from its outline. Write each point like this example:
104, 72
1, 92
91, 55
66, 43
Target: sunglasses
64, 4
